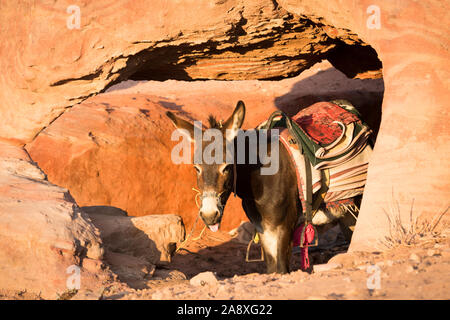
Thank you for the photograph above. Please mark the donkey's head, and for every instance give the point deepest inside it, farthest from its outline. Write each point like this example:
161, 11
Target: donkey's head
214, 178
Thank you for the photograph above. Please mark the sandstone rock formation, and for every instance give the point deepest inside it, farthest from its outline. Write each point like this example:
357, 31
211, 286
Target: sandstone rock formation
411, 158
49, 65
153, 238
45, 237
136, 246
42, 231
115, 149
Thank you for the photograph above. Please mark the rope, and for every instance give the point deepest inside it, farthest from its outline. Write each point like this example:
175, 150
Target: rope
184, 243
200, 236
199, 194
196, 196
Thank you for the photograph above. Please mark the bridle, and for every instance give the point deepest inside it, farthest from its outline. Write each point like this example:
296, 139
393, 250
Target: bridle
205, 194
202, 195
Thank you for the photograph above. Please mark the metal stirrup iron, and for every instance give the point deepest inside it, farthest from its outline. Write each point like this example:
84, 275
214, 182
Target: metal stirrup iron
255, 240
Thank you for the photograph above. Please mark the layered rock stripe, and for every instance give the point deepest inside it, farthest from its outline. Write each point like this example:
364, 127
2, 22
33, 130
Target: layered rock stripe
48, 68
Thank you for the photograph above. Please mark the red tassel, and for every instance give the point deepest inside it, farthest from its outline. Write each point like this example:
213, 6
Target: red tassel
308, 238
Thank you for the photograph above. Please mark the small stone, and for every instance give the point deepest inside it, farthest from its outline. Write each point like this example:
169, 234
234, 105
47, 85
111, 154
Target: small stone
431, 252
414, 258
168, 275
363, 267
224, 291
326, 267
87, 295
204, 278
378, 293
352, 292
158, 295
92, 265
409, 269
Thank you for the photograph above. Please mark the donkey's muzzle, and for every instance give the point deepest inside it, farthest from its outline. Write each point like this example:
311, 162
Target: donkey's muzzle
210, 218
211, 210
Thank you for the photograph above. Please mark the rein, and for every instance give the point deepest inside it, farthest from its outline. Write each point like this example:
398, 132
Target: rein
184, 243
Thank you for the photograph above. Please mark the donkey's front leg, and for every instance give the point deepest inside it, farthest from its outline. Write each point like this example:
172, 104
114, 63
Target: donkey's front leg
276, 244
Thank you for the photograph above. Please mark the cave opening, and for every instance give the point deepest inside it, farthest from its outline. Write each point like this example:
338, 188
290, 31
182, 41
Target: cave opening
113, 149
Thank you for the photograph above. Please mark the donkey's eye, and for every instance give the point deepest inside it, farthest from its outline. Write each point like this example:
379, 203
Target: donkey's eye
197, 168
225, 168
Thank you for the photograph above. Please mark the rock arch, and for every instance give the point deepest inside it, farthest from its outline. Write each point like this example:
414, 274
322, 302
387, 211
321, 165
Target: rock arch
47, 68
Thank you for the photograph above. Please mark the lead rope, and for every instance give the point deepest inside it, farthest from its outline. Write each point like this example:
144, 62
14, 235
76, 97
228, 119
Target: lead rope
184, 243
308, 233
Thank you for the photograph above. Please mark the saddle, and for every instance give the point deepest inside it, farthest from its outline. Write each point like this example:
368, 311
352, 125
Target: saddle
329, 145
329, 133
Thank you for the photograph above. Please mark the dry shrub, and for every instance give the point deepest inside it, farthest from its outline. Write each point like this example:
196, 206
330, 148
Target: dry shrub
418, 229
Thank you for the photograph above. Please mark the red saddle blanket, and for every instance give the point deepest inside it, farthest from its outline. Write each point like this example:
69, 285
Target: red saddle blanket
319, 121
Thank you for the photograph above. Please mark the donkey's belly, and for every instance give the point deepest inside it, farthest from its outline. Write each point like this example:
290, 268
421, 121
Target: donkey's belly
326, 216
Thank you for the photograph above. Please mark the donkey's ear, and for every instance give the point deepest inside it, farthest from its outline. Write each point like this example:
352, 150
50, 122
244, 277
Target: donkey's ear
235, 121
187, 127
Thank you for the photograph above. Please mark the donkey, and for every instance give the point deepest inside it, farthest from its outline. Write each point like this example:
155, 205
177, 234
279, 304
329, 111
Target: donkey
271, 202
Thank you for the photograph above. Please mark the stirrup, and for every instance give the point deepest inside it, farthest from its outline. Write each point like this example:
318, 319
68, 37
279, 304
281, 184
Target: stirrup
255, 240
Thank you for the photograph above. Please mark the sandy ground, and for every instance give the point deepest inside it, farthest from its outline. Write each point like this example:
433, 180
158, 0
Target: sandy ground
421, 271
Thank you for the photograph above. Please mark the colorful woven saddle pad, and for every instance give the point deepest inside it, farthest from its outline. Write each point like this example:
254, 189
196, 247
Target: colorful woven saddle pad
324, 122
335, 141
330, 134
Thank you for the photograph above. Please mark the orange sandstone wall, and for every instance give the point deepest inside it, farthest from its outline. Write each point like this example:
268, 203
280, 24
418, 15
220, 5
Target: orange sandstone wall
48, 67
412, 155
